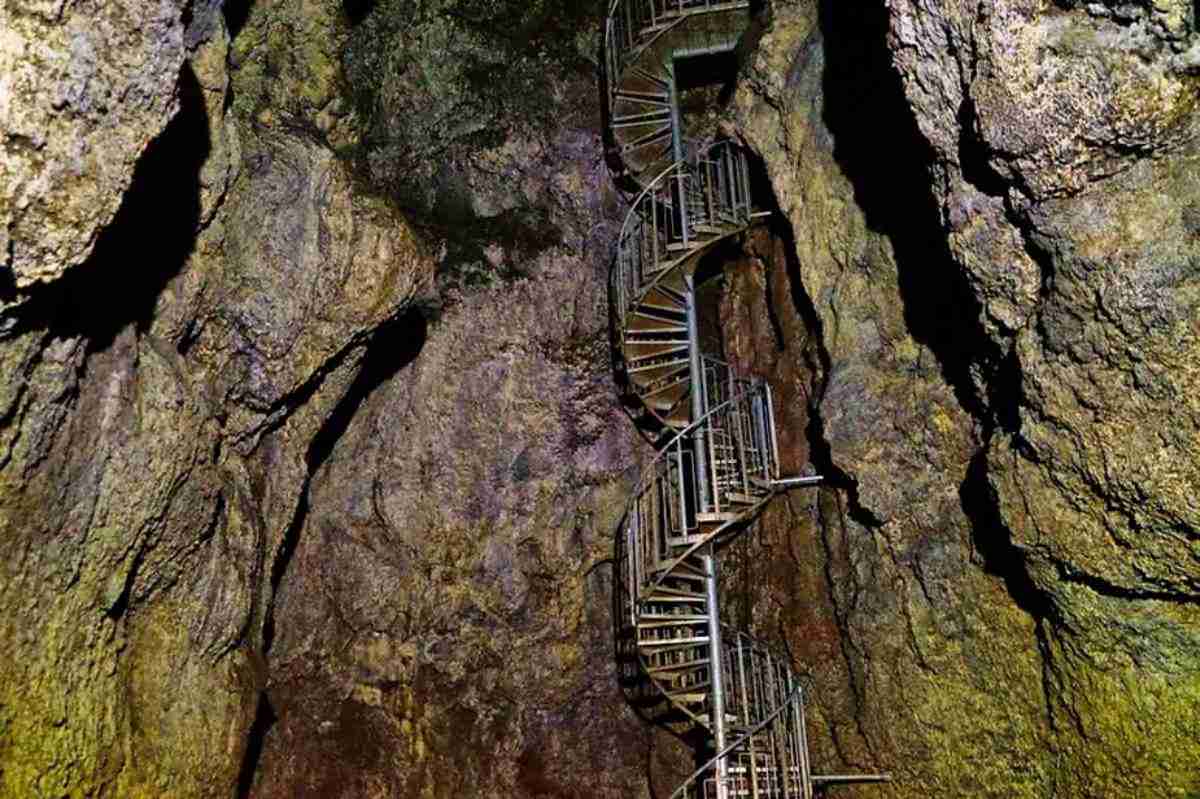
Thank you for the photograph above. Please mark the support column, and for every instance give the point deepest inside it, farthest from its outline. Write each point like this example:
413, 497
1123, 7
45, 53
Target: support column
699, 401
676, 118
716, 670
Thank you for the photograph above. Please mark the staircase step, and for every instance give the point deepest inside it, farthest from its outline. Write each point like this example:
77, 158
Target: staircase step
647, 98
648, 368
688, 698
658, 599
644, 118
664, 624
654, 349
673, 643
642, 73
667, 393
676, 618
724, 516
676, 593
681, 666
657, 135
643, 323
664, 298
651, 380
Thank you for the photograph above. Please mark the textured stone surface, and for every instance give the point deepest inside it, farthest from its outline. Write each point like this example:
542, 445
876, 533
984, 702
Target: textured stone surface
442, 628
309, 461
154, 437
84, 88
1004, 309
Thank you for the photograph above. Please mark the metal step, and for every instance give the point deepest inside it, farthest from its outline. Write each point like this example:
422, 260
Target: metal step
673, 643
637, 120
650, 367
647, 98
676, 618
683, 666
651, 353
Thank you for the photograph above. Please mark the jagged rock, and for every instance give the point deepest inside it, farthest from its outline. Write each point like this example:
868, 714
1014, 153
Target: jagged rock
1005, 590
154, 440
84, 88
443, 624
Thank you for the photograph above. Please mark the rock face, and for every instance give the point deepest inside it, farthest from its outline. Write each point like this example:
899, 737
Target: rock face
309, 459
159, 400
1002, 598
84, 88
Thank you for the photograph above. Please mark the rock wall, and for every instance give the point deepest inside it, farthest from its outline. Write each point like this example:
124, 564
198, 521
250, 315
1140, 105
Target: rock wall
987, 234
176, 334
309, 459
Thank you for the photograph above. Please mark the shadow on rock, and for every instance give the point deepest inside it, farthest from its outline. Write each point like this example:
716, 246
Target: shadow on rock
146, 244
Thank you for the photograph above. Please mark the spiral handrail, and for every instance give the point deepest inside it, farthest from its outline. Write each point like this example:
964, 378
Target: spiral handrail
718, 463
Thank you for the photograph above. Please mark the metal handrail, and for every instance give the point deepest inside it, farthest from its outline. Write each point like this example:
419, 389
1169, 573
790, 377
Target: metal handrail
710, 199
626, 20
672, 502
794, 698
714, 475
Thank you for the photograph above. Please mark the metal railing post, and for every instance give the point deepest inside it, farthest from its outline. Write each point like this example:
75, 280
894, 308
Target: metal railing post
716, 671
696, 370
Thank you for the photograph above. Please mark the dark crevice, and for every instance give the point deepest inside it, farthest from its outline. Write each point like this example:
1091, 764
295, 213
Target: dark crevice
264, 720
356, 10
892, 187
236, 14
156, 222
8, 280
993, 542
392, 347
121, 603
1104, 588
973, 154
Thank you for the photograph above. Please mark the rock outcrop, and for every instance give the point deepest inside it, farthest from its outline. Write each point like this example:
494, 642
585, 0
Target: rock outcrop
1002, 597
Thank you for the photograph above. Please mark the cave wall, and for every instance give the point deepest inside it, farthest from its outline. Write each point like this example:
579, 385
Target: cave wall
309, 456
178, 327
987, 212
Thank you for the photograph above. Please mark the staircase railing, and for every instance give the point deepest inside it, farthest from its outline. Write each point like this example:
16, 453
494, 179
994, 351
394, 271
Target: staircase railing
695, 200
633, 24
678, 663
664, 510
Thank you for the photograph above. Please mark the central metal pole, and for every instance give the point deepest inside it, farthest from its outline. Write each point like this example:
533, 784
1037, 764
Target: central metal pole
676, 118
699, 401
717, 670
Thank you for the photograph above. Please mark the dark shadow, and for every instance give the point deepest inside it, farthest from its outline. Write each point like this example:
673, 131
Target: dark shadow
993, 542
147, 243
973, 154
356, 10
8, 281
882, 152
264, 720
392, 347
236, 14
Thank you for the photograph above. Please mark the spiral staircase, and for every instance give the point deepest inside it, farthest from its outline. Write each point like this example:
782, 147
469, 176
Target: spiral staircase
734, 699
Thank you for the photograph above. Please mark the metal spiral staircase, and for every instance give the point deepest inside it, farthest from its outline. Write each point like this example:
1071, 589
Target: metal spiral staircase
738, 702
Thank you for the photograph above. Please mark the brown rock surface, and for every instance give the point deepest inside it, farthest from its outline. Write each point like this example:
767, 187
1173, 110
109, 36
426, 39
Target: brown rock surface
84, 88
1003, 389
309, 459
